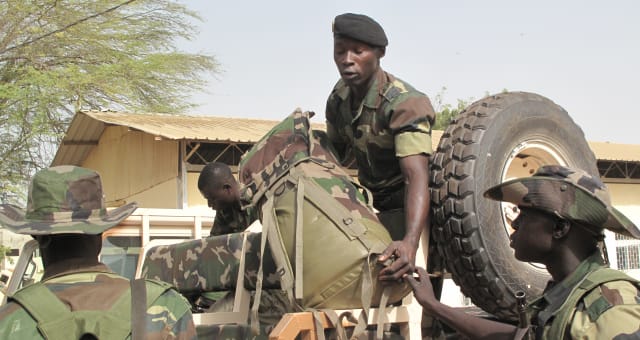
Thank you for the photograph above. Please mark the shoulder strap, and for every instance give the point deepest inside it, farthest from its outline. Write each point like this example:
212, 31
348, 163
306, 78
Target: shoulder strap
56, 321
144, 292
593, 280
40, 302
138, 309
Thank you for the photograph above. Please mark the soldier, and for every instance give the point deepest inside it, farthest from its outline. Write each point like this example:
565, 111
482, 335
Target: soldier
563, 213
384, 124
218, 186
79, 297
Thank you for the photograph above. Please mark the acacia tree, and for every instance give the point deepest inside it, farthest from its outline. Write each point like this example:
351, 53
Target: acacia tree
61, 56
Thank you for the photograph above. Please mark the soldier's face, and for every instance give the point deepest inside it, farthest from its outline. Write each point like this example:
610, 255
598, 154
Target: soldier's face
218, 197
532, 240
357, 62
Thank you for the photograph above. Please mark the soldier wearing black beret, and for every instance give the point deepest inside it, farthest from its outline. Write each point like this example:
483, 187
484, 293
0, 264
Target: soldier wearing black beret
359, 27
384, 125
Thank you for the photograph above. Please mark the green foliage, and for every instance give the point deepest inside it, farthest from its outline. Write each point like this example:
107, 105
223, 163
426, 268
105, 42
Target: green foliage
58, 57
445, 112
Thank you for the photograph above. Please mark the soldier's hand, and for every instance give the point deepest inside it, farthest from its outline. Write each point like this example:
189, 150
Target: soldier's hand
403, 256
422, 288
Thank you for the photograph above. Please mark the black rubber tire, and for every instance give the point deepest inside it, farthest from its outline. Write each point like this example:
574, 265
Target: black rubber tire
468, 229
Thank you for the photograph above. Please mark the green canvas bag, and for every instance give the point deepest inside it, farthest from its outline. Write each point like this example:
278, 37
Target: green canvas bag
322, 231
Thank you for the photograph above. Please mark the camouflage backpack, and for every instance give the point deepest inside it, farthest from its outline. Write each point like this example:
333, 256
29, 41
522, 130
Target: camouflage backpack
322, 232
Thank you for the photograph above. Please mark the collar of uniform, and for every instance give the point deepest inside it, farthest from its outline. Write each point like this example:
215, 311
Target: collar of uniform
372, 98
556, 294
71, 266
342, 90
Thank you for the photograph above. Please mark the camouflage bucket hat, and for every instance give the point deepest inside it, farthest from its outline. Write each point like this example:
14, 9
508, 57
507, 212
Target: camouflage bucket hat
568, 193
64, 200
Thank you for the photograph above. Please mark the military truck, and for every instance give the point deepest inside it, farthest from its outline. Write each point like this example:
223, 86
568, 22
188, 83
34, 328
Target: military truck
497, 138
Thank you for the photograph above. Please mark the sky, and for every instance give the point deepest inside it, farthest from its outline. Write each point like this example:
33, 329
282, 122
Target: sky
276, 56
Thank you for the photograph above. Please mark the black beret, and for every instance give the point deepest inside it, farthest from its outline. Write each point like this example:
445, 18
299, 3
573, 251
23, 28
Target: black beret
359, 27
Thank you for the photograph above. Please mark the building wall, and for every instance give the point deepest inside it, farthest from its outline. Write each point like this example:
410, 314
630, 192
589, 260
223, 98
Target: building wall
624, 193
136, 166
194, 198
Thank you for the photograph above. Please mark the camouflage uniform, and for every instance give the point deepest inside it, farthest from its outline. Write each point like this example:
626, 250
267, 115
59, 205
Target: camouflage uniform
609, 310
394, 120
273, 302
592, 302
97, 288
69, 200
232, 220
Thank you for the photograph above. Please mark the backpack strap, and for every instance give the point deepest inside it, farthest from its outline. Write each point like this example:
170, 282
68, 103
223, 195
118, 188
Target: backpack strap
591, 281
299, 240
56, 321
278, 253
40, 302
340, 216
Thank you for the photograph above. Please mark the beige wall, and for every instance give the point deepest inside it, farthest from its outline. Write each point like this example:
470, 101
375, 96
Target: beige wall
626, 198
161, 195
135, 166
194, 198
624, 194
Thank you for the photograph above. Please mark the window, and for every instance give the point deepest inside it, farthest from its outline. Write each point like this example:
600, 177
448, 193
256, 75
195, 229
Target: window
120, 254
627, 252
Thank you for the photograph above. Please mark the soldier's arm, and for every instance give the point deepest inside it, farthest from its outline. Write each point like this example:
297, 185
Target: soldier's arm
468, 325
416, 204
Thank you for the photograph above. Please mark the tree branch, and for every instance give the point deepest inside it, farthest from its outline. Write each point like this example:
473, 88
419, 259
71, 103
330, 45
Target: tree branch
28, 42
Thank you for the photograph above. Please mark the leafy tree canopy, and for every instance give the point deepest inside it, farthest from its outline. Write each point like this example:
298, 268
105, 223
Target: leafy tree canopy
61, 56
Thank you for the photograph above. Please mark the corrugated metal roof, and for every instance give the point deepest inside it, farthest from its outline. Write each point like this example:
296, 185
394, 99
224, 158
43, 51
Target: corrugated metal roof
190, 127
87, 127
616, 152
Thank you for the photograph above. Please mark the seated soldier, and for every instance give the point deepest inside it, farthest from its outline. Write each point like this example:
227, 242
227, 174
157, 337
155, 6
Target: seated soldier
563, 213
79, 297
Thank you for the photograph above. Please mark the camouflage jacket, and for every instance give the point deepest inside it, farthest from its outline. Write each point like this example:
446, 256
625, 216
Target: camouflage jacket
394, 120
97, 288
232, 220
610, 310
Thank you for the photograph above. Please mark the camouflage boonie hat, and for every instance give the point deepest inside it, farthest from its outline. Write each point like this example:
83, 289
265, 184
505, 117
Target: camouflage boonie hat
569, 193
64, 200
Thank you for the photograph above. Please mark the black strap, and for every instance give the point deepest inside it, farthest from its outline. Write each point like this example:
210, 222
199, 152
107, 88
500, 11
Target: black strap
138, 309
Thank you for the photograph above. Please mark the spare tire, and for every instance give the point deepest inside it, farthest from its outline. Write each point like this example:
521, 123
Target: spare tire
497, 138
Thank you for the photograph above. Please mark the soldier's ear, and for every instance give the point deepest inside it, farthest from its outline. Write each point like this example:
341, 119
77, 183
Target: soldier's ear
561, 228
